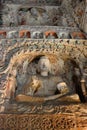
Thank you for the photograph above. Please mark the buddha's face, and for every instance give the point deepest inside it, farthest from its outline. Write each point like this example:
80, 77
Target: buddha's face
44, 65
34, 11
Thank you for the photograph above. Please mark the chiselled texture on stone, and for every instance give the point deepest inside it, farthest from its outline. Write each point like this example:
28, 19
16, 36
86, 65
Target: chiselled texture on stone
11, 122
82, 122
49, 123
42, 122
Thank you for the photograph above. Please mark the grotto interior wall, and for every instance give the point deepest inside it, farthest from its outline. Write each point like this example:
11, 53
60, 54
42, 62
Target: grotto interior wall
43, 64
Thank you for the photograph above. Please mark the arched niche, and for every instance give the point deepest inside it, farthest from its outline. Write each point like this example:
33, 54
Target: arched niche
39, 75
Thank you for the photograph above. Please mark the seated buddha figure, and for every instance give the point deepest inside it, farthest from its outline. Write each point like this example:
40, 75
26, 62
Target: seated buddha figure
43, 83
35, 79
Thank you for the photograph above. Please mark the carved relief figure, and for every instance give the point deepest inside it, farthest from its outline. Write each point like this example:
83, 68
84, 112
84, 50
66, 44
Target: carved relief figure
37, 35
24, 34
12, 34
10, 88
51, 35
33, 16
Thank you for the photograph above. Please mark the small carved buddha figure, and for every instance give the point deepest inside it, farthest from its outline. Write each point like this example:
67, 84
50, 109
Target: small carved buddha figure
51, 35
12, 34
37, 35
11, 85
30, 19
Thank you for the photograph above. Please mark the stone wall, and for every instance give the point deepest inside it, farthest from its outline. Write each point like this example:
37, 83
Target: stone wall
78, 11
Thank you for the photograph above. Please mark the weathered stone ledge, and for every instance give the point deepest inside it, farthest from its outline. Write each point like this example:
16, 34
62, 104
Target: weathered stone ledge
42, 122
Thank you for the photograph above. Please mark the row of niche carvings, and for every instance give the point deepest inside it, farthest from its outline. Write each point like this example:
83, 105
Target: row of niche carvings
36, 16
50, 34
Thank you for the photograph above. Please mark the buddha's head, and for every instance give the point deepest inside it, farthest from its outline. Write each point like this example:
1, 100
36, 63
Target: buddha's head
44, 65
